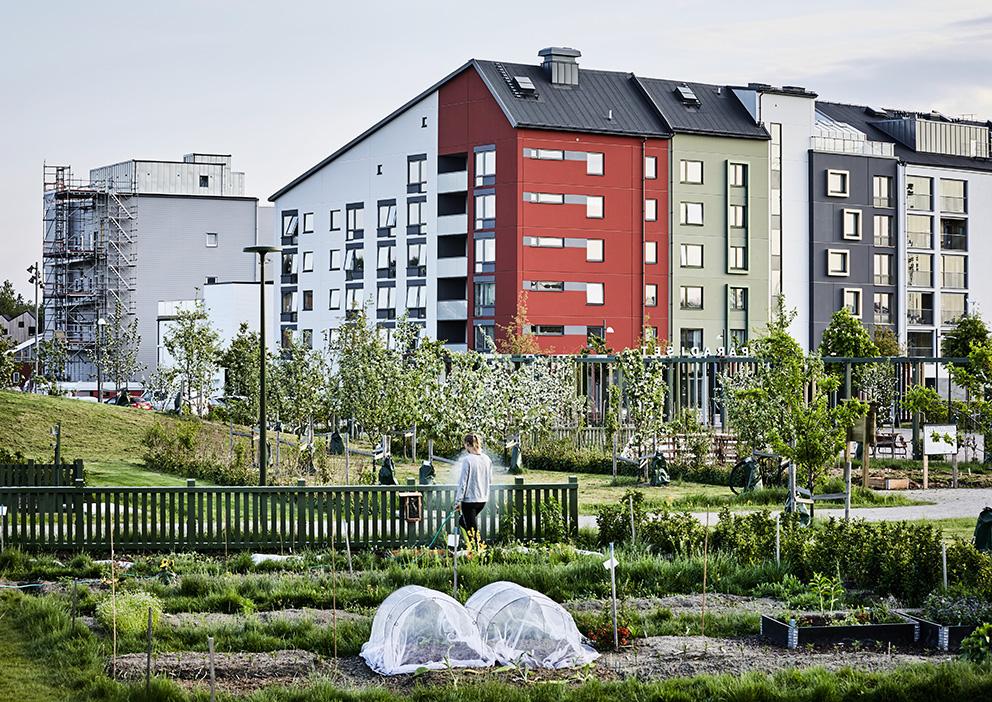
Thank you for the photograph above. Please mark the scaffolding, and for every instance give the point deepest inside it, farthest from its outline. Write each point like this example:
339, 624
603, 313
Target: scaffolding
89, 250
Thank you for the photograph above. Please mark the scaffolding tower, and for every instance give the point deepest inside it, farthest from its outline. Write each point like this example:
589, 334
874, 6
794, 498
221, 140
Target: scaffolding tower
90, 254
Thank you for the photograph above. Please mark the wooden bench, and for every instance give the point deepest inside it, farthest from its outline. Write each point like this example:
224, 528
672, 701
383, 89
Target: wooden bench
892, 443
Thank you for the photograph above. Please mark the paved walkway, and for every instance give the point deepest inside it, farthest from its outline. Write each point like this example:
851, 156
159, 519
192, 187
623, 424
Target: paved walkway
947, 504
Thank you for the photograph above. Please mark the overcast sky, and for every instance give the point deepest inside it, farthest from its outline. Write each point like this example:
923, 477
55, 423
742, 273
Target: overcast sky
281, 84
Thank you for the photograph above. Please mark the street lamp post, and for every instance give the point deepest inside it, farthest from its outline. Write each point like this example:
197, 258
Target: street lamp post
37, 279
262, 251
100, 324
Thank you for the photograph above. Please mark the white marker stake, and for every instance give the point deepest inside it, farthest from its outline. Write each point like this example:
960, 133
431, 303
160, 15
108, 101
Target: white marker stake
778, 539
453, 544
611, 565
943, 558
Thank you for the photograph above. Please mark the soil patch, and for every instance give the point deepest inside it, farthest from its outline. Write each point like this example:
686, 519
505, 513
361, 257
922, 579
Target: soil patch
716, 603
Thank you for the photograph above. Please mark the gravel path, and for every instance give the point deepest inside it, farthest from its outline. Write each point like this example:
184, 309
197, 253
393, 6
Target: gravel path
947, 504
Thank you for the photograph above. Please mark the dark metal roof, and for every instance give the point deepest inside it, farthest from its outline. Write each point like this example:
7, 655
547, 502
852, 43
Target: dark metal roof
860, 118
719, 112
585, 107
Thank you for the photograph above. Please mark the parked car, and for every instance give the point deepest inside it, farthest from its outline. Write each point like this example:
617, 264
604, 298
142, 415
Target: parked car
125, 400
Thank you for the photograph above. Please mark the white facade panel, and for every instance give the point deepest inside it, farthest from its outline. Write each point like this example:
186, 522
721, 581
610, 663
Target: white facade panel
452, 224
455, 182
452, 267
452, 309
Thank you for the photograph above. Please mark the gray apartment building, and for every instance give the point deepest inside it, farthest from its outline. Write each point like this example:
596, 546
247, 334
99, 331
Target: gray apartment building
134, 234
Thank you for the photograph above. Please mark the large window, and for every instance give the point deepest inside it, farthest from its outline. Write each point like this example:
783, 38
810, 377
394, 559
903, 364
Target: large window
334, 299
650, 210
594, 293
883, 269
353, 298
952, 307
354, 263
485, 167
852, 224
690, 171
952, 196
738, 258
386, 298
485, 299
883, 230
953, 234
691, 213
308, 223
738, 299
308, 300
356, 222
307, 261
690, 339
416, 297
691, 297
485, 210
288, 302
852, 301
919, 191
594, 206
919, 307
386, 261
650, 295
334, 218
881, 191
838, 183
738, 175
290, 225
485, 254
954, 271
919, 231
919, 344
883, 308
691, 255
387, 217
920, 269
737, 216
416, 255
838, 262
416, 216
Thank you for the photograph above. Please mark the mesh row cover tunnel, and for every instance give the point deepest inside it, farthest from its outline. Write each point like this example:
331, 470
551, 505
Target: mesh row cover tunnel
524, 627
416, 627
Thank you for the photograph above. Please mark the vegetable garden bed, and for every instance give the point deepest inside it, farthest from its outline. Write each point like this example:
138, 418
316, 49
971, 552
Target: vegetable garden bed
820, 630
943, 637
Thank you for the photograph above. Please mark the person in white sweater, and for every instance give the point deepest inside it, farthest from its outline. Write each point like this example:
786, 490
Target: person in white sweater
475, 476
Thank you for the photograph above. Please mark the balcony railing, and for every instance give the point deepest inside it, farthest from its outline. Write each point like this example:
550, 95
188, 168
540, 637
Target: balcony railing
918, 202
954, 242
919, 315
923, 279
954, 280
952, 203
852, 146
919, 240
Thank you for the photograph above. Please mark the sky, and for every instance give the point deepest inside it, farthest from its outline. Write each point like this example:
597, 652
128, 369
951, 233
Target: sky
281, 85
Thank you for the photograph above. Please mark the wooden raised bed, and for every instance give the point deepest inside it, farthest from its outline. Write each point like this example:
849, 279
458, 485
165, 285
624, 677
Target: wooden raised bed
792, 635
940, 636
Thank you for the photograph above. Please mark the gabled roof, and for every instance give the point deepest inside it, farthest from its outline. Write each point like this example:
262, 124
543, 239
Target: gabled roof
605, 102
861, 118
718, 111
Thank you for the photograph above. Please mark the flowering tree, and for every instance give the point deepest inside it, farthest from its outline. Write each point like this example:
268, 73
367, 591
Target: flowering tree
642, 379
194, 346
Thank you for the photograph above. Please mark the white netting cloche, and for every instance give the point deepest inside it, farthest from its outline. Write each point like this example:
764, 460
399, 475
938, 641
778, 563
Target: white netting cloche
524, 627
416, 627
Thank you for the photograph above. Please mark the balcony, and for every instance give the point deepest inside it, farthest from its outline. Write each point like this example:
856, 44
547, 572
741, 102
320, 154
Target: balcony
953, 242
920, 279
919, 315
842, 145
452, 267
452, 309
918, 202
455, 182
452, 224
919, 240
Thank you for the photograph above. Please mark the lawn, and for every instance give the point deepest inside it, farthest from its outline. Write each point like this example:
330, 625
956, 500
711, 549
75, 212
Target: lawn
22, 679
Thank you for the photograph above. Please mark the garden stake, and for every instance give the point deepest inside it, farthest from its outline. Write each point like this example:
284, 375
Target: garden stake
113, 608
706, 543
633, 536
778, 539
334, 596
213, 678
148, 656
612, 565
347, 459
347, 548
847, 488
943, 558
453, 542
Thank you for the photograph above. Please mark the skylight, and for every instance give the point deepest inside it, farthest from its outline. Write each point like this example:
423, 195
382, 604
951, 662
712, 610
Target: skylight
686, 95
525, 84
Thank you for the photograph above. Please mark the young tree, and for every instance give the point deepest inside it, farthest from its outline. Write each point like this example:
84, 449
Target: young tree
846, 337
643, 383
300, 376
968, 331
194, 346
516, 340
12, 303
7, 365
120, 348
241, 382
886, 342
52, 354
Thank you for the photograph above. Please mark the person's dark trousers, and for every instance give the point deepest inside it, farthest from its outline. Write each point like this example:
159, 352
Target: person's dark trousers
469, 520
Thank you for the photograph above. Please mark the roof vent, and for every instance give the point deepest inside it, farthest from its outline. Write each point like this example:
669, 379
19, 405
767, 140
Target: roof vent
686, 95
560, 65
525, 85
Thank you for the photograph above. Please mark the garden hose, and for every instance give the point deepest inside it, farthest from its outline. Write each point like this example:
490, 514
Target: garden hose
443, 524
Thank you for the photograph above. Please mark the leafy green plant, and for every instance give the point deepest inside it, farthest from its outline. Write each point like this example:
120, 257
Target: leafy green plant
553, 527
977, 646
956, 610
829, 590
131, 616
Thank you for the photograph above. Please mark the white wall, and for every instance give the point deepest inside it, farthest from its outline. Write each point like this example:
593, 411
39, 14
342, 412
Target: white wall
352, 177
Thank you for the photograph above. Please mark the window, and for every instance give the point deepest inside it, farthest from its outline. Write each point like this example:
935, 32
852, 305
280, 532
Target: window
737, 258
549, 330
387, 215
883, 230
485, 211
594, 293
288, 263
691, 255
852, 301
484, 334
485, 299
691, 297
485, 167
738, 175
416, 174
308, 222
211, 240
650, 167
919, 344
918, 193
307, 261
690, 339
286, 337
952, 196
838, 262
953, 234
335, 220
881, 191
386, 298
308, 299
335, 259
954, 271
883, 269
594, 163
737, 216
356, 222
852, 224
290, 225
883, 308
415, 215
919, 231
546, 285
545, 154
738, 339
386, 259
288, 302
353, 298
650, 210
306, 338
594, 250
690, 171
416, 255
545, 198
919, 307
204, 181
594, 206
549, 242
691, 213
416, 297
650, 252
920, 268
485, 254
334, 299
837, 183
354, 260
952, 307
650, 295
738, 299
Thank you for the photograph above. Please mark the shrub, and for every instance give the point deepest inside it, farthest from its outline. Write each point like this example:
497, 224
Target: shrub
131, 612
564, 456
614, 520
672, 534
957, 610
977, 646
552, 521
180, 447
749, 536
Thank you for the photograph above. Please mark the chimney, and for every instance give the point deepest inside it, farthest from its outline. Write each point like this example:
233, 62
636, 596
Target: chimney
560, 65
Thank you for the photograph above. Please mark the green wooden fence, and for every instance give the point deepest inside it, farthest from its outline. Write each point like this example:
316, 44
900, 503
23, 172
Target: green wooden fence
33, 474
242, 518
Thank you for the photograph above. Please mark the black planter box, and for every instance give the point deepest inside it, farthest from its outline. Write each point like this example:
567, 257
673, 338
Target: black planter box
783, 634
940, 636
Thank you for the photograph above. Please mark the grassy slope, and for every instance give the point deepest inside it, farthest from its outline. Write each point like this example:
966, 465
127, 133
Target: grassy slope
107, 438
22, 679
